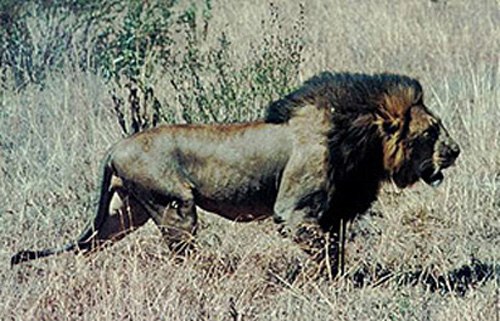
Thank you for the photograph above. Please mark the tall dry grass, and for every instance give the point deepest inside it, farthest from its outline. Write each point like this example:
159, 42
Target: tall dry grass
51, 141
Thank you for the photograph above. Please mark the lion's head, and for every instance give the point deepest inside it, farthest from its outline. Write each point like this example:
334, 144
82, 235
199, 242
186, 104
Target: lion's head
415, 144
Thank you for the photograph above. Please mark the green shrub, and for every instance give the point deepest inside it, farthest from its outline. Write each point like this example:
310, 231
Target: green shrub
211, 88
134, 44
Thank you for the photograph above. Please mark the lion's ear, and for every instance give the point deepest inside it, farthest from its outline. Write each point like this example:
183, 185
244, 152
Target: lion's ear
396, 106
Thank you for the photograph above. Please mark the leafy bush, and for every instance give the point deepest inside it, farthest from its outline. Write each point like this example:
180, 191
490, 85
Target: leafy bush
134, 44
211, 88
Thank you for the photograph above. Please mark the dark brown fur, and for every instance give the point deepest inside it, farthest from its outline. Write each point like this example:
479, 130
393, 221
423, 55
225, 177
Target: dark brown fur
375, 123
320, 156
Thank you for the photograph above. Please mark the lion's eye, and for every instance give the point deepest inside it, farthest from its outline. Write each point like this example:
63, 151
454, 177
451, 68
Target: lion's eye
431, 133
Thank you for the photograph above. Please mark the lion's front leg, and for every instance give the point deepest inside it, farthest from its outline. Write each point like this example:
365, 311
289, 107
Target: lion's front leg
303, 192
321, 246
301, 203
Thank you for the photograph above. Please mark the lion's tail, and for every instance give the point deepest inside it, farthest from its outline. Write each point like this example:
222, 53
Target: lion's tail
85, 239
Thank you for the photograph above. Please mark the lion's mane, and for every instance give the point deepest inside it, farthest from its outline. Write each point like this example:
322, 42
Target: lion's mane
346, 93
368, 122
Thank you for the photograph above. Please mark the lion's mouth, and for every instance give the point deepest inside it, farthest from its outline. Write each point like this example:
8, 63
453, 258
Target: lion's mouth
432, 176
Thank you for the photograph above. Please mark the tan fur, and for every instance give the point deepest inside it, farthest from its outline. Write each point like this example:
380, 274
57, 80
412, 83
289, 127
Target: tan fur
319, 156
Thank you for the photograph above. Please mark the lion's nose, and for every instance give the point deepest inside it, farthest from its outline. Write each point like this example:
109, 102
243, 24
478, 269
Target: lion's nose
451, 151
454, 150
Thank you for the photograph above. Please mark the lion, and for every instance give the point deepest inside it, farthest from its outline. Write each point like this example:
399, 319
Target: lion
319, 155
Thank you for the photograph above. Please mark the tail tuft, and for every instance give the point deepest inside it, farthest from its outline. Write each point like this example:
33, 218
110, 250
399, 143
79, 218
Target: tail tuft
23, 256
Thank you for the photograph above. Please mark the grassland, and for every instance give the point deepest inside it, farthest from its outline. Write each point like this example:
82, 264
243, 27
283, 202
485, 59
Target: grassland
53, 136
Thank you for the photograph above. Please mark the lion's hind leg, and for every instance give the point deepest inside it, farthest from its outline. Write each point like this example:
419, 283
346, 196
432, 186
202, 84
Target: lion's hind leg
126, 214
101, 227
179, 225
174, 212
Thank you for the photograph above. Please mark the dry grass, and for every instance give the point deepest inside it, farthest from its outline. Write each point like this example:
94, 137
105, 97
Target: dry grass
51, 142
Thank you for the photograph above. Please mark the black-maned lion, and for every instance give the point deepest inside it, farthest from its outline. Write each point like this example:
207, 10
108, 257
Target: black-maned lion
320, 155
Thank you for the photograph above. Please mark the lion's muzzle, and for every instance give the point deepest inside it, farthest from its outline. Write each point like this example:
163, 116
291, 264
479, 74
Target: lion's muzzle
448, 154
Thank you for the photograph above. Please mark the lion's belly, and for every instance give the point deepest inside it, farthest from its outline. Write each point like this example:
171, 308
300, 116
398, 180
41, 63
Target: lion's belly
241, 204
